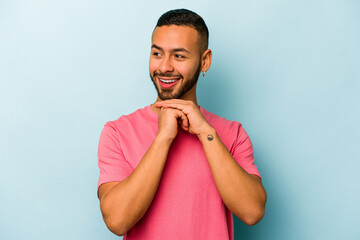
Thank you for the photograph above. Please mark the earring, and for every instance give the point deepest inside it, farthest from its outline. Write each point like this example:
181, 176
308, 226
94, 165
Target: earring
203, 74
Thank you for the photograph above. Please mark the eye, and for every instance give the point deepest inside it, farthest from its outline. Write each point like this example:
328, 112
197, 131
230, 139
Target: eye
156, 54
179, 56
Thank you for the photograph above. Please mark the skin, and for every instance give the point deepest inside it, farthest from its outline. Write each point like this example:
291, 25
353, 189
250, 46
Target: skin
177, 56
177, 53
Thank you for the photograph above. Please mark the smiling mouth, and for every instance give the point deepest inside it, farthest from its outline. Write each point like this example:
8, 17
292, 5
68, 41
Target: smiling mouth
168, 82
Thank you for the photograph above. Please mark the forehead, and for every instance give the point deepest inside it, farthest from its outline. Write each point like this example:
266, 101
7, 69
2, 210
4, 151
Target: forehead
173, 36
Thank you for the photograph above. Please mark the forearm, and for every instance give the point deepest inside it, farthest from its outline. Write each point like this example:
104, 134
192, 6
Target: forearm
127, 201
241, 192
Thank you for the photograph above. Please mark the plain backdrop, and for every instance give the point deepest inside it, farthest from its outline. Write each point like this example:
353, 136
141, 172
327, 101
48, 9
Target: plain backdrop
287, 70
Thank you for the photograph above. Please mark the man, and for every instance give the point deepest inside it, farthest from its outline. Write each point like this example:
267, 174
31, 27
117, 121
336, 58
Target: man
173, 170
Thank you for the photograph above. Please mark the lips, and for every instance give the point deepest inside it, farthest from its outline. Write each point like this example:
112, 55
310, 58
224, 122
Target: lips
168, 82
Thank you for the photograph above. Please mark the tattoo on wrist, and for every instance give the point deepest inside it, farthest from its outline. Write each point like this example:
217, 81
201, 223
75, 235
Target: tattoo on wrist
210, 137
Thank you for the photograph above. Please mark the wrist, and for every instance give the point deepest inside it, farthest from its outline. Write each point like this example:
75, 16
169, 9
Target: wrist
163, 139
206, 133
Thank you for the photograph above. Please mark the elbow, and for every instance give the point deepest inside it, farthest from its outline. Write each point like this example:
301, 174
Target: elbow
251, 214
254, 216
116, 226
256, 211
116, 222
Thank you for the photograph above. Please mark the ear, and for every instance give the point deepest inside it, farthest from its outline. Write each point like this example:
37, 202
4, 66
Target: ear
206, 60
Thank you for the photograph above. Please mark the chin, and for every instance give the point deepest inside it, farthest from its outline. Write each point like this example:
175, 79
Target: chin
167, 97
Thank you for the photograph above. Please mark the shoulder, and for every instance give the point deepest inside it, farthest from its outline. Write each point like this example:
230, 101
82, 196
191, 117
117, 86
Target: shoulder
221, 124
125, 121
228, 131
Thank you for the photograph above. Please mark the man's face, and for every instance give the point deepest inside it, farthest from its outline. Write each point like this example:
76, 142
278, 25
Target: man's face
174, 61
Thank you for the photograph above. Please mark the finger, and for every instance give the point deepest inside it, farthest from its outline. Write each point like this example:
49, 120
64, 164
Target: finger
157, 105
184, 120
176, 101
178, 106
172, 101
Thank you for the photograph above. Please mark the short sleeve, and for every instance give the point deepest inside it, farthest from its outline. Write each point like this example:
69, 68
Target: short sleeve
111, 161
243, 152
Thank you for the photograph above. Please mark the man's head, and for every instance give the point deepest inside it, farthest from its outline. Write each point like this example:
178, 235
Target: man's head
178, 54
184, 17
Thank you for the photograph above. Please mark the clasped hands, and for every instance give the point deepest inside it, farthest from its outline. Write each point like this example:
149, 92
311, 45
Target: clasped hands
177, 112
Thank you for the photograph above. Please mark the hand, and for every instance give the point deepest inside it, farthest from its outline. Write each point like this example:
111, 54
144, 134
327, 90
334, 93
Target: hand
197, 124
168, 121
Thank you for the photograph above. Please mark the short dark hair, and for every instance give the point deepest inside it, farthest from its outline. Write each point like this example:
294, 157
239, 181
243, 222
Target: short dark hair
185, 17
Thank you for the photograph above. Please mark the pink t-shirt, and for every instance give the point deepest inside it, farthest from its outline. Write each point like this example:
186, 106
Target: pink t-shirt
187, 204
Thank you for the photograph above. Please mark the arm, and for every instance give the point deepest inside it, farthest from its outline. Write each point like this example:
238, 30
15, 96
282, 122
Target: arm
241, 192
124, 203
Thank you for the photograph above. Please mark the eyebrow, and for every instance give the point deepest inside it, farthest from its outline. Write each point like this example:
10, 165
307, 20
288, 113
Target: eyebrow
173, 50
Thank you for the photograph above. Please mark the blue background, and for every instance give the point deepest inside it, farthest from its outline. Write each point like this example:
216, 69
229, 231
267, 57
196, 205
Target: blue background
288, 70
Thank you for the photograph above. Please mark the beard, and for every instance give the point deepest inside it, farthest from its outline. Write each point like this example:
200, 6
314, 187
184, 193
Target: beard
165, 94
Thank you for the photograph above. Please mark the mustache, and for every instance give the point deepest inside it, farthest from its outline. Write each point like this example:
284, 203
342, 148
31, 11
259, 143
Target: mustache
160, 74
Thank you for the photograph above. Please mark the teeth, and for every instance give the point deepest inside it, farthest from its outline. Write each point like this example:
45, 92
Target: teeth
167, 81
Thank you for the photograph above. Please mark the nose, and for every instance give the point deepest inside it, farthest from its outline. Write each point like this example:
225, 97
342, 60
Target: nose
166, 65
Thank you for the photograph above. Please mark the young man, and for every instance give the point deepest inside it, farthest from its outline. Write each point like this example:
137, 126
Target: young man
173, 170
